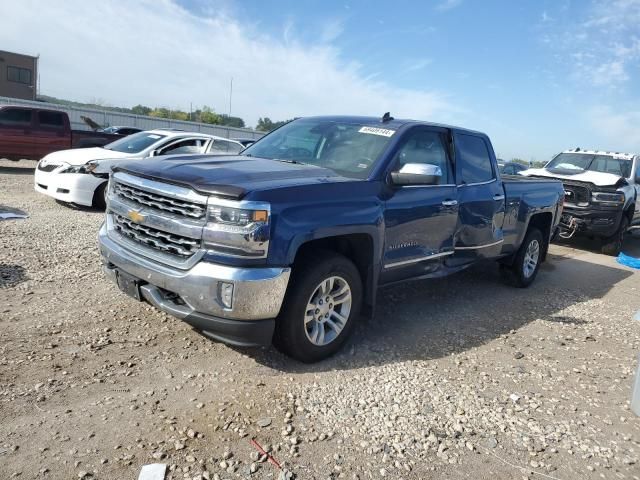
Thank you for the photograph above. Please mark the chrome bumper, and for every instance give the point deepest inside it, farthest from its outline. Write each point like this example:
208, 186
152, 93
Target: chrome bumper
257, 292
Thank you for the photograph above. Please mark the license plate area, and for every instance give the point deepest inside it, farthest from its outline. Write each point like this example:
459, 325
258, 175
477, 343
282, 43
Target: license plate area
128, 284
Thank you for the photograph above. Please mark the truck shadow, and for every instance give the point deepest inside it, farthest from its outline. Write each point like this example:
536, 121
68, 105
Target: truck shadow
430, 319
631, 244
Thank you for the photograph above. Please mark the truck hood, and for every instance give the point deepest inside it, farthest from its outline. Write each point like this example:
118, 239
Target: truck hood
599, 179
231, 177
80, 156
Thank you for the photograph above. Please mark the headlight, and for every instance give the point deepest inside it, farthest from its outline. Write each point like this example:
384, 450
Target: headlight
602, 197
86, 168
239, 229
236, 217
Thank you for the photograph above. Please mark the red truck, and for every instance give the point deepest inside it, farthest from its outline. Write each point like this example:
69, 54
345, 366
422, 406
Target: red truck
31, 133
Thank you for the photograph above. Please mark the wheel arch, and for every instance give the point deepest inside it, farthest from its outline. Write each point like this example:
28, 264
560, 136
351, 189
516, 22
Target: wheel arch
360, 248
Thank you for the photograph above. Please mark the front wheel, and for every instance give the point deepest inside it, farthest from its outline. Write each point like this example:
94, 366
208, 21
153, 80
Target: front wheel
100, 197
613, 245
321, 307
527, 261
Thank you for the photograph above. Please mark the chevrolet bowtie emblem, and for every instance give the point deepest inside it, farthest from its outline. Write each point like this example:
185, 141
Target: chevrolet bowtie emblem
136, 216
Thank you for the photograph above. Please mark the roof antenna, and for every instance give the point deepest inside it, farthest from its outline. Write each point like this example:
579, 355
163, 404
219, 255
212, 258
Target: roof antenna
386, 117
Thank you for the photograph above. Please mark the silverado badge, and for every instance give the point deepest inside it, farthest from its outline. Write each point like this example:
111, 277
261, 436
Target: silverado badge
136, 216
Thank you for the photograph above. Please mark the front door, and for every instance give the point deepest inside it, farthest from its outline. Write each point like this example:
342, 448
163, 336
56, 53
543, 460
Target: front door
420, 220
481, 200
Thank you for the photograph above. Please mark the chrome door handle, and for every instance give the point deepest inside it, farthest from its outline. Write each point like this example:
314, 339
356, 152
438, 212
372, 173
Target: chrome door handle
498, 197
449, 203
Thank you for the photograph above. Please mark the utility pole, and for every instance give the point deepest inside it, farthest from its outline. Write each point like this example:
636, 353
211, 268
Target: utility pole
191, 111
230, 95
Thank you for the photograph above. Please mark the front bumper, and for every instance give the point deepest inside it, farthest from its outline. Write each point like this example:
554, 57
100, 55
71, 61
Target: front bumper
193, 294
76, 188
599, 222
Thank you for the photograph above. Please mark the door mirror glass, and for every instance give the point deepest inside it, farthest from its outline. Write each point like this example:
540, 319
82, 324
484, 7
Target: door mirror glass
417, 174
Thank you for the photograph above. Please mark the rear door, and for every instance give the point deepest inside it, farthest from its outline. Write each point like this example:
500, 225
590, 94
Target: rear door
16, 126
420, 220
480, 197
51, 132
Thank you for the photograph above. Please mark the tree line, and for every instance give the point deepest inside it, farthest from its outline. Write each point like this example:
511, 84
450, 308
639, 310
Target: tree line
205, 114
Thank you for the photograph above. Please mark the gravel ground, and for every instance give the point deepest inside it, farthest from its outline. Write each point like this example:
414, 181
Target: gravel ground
508, 383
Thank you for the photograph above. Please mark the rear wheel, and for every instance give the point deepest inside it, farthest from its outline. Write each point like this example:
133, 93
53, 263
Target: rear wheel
321, 307
524, 269
613, 244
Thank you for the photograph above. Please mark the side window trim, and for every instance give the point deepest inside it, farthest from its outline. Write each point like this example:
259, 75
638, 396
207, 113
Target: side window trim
19, 124
446, 142
494, 174
175, 140
49, 126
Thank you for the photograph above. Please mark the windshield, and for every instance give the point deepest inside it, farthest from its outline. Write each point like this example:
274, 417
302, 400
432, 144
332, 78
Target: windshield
134, 143
579, 162
349, 149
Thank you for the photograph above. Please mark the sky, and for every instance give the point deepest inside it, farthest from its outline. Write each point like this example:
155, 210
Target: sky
538, 76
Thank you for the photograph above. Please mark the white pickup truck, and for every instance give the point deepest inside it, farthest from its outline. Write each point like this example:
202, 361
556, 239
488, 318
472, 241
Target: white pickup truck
601, 192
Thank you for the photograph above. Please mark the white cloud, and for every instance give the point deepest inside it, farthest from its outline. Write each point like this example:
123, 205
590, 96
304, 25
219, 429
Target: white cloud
606, 45
331, 30
618, 128
448, 5
157, 53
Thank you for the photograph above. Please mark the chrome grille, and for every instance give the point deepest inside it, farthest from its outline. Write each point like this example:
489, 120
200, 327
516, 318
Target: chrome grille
157, 239
159, 202
576, 194
48, 168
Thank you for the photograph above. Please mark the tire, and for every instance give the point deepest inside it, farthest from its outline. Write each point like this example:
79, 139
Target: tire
524, 269
100, 197
309, 335
613, 245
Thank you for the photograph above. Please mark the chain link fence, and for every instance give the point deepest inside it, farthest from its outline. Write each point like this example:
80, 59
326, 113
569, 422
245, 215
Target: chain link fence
108, 118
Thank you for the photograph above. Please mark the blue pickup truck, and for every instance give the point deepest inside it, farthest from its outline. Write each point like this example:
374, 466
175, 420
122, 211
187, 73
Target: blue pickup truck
289, 241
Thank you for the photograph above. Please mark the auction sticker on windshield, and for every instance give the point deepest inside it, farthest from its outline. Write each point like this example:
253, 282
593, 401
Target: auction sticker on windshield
383, 132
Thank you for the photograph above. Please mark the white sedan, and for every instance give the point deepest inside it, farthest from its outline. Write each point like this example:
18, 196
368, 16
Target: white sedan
66, 174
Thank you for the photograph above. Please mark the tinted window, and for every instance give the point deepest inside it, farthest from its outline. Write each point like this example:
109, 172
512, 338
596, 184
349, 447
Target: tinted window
348, 148
51, 119
584, 161
127, 131
475, 163
221, 146
190, 145
19, 75
15, 117
424, 146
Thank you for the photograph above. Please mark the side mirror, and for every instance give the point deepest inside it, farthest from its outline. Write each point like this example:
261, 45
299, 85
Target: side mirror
154, 153
417, 174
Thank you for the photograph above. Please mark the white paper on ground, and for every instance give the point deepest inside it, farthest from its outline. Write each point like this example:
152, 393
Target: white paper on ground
7, 215
635, 392
153, 471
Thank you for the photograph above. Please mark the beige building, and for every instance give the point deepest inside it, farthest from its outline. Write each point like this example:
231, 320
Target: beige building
18, 75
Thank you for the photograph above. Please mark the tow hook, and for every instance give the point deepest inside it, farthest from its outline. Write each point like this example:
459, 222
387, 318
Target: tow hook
568, 231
